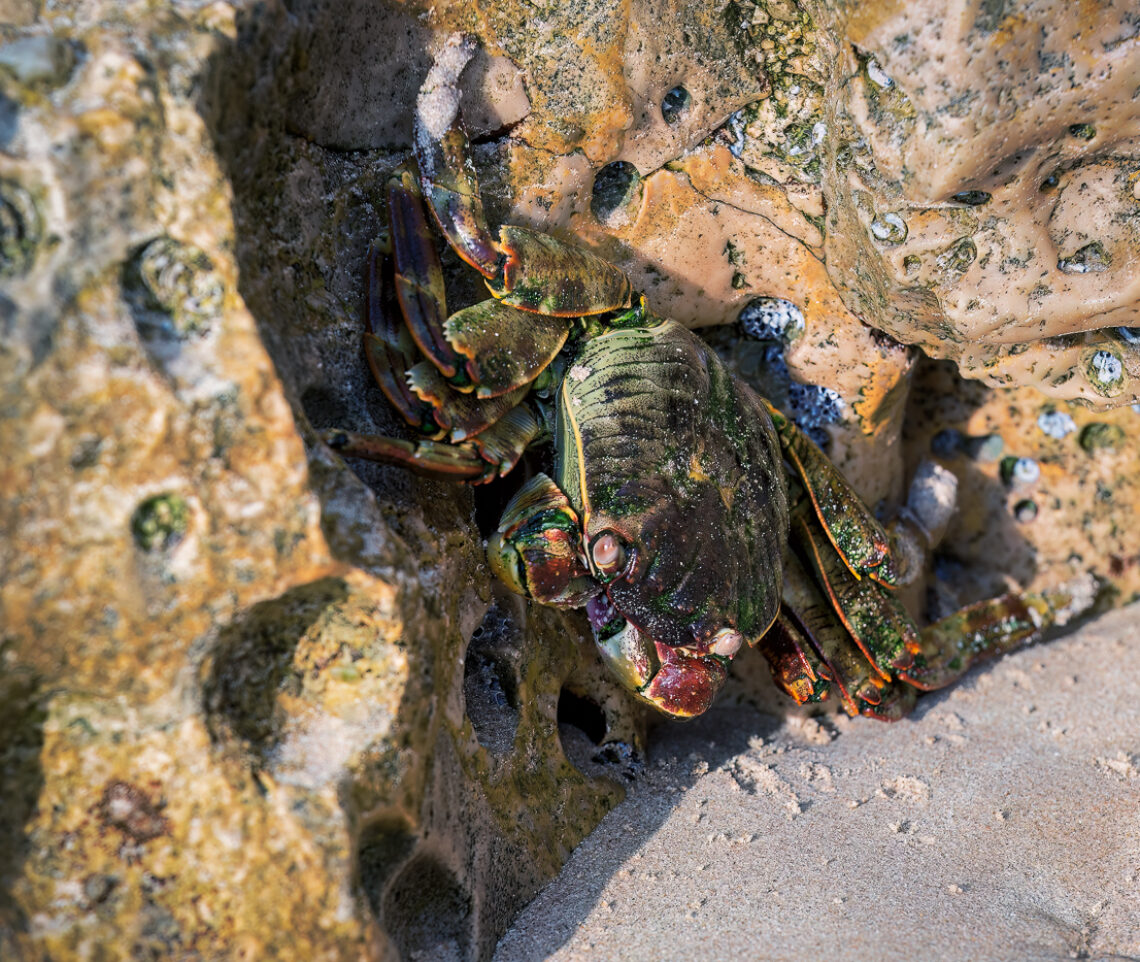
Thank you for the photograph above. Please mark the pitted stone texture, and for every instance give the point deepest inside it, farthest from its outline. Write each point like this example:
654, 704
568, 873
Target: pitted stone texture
232, 713
982, 177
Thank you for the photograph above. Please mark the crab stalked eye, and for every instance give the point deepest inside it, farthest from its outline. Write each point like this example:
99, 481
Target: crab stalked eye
608, 553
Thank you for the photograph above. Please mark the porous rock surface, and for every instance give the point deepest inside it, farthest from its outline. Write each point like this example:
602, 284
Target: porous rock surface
260, 703
251, 707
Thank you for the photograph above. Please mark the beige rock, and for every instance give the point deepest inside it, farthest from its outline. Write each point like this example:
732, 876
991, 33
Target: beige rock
982, 170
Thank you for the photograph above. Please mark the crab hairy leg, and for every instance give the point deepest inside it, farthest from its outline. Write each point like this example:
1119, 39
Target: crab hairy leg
489, 348
523, 268
854, 676
976, 633
488, 455
429, 459
796, 667
416, 388
444, 157
419, 277
850, 526
388, 345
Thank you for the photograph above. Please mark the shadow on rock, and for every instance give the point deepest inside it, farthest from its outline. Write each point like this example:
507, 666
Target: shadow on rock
22, 715
983, 546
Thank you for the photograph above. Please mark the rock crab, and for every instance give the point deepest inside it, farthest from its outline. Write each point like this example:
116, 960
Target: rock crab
686, 513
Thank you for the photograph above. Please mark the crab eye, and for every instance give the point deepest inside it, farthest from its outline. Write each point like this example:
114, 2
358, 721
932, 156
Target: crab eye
608, 553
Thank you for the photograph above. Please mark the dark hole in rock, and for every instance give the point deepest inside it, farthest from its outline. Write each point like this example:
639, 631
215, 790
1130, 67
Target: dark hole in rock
492, 498
174, 294
619, 757
583, 729
772, 319
617, 194
1025, 511
675, 103
427, 912
384, 846
973, 198
159, 523
21, 229
9, 120
582, 714
490, 688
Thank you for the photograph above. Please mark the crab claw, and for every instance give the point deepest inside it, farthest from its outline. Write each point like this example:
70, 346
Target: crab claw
681, 682
537, 550
685, 685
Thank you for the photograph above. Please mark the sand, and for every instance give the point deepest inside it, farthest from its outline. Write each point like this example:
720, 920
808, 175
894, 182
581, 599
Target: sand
1001, 821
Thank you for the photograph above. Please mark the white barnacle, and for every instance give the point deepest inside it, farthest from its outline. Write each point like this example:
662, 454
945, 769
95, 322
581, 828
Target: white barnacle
579, 373
1025, 471
878, 75
1107, 367
1056, 424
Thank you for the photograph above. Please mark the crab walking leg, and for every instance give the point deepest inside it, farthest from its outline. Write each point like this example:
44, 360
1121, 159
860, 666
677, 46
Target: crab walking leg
796, 666
491, 454
523, 268
416, 388
976, 633
854, 532
443, 153
429, 459
419, 277
872, 615
853, 675
490, 348
388, 346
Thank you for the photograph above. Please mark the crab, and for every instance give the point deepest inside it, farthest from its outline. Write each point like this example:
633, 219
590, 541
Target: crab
688, 515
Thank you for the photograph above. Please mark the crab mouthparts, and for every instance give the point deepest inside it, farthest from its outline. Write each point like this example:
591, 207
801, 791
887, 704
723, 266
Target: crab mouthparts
602, 613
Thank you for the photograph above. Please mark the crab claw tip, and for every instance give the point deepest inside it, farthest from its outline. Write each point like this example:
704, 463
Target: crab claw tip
505, 563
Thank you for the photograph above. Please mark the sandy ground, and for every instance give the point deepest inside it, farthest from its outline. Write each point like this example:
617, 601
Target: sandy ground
1002, 821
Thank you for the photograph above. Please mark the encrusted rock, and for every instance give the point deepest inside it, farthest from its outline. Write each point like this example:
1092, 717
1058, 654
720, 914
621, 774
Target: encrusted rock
999, 143
257, 702
240, 716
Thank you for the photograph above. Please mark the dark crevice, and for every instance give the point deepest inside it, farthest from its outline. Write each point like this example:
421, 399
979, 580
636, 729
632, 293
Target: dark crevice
23, 710
427, 912
583, 714
490, 683
383, 847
